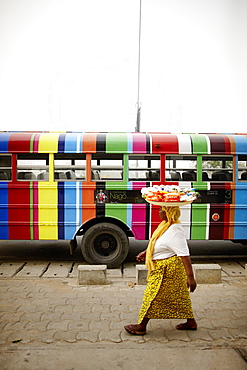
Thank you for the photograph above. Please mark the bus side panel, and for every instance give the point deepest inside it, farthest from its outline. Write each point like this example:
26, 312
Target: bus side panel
199, 221
19, 211
185, 219
140, 216
48, 211
4, 230
60, 187
35, 211
118, 211
241, 213
72, 208
139, 221
240, 221
155, 218
227, 222
218, 228
88, 203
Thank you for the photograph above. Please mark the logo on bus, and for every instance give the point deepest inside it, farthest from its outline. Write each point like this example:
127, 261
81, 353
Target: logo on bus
215, 217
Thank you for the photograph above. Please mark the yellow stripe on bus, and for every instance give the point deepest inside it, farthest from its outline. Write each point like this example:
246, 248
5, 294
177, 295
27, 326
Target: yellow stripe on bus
48, 143
48, 214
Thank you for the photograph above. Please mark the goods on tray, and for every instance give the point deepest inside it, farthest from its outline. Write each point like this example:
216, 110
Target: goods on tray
168, 194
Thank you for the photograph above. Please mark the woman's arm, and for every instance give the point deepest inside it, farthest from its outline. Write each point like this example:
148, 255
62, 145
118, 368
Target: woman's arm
189, 272
141, 256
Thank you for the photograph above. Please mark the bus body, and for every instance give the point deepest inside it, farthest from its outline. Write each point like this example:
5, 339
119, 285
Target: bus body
61, 185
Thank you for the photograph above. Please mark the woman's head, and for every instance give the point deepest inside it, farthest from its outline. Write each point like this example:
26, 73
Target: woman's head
169, 214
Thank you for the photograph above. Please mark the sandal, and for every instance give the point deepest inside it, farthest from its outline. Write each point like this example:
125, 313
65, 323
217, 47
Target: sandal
131, 330
185, 326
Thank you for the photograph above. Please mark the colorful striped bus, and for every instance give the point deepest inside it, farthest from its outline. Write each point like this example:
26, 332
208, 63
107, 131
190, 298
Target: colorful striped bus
64, 185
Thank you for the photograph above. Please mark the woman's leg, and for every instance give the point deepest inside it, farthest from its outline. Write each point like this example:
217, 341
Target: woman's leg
138, 329
190, 324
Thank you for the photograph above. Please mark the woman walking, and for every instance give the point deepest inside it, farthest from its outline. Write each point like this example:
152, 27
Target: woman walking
170, 275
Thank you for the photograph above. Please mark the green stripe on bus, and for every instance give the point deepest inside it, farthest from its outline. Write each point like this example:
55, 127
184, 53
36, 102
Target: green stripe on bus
116, 146
198, 222
200, 184
199, 144
118, 211
31, 143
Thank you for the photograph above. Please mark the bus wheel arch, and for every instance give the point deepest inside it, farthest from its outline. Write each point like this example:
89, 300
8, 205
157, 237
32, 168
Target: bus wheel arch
105, 243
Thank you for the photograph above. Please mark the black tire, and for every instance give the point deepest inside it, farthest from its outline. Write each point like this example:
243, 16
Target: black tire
105, 244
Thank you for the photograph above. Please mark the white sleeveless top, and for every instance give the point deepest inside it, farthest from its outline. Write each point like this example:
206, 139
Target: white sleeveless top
171, 243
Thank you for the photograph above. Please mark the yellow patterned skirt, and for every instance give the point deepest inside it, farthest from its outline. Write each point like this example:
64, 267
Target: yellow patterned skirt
166, 295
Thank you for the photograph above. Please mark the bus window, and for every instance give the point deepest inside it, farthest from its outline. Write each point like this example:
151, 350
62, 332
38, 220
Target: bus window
181, 168
5, 167
144, 167
217, 168
107, 167
242, 167
33, 167
69, 167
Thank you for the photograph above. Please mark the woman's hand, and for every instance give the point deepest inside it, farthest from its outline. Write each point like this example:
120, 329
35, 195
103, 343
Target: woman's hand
141, 256
191, 283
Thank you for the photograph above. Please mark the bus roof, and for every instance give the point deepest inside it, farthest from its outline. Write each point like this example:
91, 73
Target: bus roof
75, 142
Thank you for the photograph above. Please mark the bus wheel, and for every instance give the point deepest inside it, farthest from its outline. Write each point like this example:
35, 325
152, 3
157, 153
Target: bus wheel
105, 244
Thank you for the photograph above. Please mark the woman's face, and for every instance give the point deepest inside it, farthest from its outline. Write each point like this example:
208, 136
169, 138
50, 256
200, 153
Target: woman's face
162, 215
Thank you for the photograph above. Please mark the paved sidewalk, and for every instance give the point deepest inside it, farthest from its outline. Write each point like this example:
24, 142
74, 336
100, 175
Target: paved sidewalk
54, 321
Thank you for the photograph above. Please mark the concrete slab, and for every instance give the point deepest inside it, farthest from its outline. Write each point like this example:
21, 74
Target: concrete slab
110, 356
207, 273
92, 274
114, 273
233, 269
58, 269
129, 270
141, 274
33, 269
9, 269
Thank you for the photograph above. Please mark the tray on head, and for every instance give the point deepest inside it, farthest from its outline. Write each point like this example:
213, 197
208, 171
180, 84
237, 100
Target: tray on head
171, 204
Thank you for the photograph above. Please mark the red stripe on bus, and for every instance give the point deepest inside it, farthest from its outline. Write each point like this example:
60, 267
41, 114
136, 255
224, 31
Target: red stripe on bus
164, 144
19, 211
227, 144
35, 211
155, 218
20, 143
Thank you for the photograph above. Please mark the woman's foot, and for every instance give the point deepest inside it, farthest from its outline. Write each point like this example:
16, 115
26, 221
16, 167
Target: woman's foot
189, 325
135, 329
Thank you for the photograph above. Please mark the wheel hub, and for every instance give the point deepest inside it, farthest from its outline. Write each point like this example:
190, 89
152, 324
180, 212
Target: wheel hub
105, 244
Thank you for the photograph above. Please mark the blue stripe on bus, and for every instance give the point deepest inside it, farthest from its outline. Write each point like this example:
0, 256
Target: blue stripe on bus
4, 230
241, 144
79, 203
240, 217
130, 143
129, 215
60, 186
70, 209
240, 220
4, 142
71, 143
61, 142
